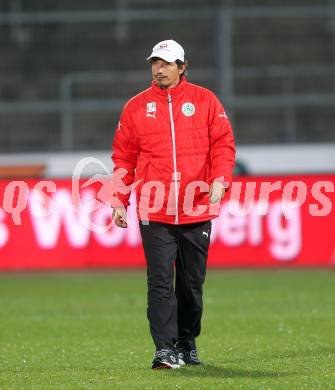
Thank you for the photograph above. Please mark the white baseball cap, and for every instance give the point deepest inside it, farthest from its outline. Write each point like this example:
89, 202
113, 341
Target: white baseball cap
168, 51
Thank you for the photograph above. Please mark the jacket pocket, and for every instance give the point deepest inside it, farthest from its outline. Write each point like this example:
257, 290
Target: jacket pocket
141, 171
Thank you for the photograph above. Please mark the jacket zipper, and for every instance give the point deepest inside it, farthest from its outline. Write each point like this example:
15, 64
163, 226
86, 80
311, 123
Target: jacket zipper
174, 153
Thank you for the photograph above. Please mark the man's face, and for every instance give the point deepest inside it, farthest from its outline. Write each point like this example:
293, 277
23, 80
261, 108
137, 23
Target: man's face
166, 74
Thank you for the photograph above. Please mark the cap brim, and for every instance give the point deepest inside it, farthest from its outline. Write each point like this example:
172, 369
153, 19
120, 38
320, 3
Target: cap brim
168, 57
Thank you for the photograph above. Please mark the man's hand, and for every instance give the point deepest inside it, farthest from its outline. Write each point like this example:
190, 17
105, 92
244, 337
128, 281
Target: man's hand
216, 191
120, 217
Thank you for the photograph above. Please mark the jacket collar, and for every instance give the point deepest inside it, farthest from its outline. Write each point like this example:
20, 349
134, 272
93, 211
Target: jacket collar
172, 91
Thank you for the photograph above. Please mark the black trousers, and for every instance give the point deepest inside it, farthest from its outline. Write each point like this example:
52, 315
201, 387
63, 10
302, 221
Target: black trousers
174, 312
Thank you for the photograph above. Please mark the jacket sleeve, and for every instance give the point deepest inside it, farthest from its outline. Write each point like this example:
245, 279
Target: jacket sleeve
222, 144
124, 156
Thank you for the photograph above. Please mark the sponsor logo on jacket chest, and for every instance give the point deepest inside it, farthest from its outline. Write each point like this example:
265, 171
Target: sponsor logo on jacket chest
151, 110
188, 109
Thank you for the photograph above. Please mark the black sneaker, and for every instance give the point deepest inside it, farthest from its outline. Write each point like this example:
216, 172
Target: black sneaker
165, 358
190, 358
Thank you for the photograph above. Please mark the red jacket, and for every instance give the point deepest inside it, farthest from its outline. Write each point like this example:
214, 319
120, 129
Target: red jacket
163, 132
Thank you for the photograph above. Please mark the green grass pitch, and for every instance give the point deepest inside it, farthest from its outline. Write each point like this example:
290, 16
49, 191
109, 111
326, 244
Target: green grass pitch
88, 330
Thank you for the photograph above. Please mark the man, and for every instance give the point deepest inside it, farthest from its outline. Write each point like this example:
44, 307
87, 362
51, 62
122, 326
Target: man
175, 141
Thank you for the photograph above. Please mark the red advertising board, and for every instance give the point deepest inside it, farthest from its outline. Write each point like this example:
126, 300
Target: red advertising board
41, 229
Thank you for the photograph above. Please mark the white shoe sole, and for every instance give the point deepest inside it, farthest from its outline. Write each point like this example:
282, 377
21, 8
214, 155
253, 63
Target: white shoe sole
167, 365
173, 366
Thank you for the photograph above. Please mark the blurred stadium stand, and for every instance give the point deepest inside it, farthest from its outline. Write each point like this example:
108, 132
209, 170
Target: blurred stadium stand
68, 66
